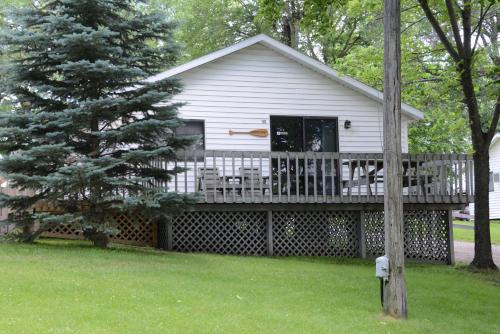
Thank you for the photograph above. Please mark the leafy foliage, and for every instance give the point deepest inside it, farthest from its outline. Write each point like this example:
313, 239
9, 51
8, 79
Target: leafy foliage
205, 26
347, 35
429, 83
459, 26
82, 126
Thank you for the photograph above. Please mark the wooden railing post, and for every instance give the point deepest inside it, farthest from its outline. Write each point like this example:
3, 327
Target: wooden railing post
279, 177
451, 247
297, 180
428, 178
288, 176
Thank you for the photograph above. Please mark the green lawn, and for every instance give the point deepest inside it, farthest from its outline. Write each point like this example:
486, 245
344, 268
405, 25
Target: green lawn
468, 235
68, 287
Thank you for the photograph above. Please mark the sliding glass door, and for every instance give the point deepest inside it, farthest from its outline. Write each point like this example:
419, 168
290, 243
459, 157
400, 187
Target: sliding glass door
300, 134
304, 134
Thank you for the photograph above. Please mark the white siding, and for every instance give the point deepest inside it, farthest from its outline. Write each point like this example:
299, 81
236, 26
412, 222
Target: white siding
494, 195
242, 90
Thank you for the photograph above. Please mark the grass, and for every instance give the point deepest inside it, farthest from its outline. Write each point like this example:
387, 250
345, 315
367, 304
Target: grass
69, 287
468, 235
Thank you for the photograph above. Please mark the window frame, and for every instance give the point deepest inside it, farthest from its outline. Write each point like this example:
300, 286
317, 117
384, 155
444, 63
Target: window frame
491, 183
303, 121
202, 121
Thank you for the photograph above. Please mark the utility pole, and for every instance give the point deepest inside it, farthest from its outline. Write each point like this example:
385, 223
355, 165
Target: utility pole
395, 287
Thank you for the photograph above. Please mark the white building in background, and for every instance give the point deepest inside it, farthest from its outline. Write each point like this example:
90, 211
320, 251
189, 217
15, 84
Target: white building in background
494, 179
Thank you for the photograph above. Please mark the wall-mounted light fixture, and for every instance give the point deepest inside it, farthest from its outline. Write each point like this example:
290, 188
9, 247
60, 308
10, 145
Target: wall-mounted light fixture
347, 124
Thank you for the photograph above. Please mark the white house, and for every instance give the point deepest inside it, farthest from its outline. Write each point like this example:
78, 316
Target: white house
494, 179
291, 163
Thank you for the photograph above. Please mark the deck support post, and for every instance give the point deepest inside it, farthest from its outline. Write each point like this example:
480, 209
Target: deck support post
451, 247
362, 235
169, 234
270, 246
161, 234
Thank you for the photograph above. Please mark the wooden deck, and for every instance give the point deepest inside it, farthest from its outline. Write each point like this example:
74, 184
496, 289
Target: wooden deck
318, 177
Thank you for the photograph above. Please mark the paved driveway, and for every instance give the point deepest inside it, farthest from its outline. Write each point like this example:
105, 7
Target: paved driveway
464, 252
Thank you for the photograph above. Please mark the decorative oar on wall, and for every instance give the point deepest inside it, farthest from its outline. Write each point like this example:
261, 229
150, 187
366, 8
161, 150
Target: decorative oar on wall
255, 133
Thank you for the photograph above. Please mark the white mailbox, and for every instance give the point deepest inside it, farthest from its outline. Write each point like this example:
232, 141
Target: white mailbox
382, 267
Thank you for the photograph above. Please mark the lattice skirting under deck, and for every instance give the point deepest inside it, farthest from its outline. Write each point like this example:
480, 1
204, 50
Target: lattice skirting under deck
306, 233
426, 235
339, 233
132, 230
224, 232
315, 233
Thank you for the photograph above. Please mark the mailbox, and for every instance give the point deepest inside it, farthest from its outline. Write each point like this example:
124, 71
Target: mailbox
382, 267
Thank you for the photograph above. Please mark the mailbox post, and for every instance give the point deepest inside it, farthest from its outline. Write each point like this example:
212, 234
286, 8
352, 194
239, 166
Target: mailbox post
382, 273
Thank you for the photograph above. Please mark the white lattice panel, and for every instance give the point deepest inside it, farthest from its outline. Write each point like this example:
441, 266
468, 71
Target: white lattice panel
224, 232
315, 233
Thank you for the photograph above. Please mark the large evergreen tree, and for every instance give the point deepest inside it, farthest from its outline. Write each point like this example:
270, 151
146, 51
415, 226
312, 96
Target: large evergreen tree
82, 126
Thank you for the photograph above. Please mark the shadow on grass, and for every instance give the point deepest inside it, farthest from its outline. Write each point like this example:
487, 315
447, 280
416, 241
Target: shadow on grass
60, 244
325, 260
486, 275
77, 245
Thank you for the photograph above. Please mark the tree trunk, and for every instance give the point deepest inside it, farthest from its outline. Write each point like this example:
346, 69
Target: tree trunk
483, 258
395, 289
98, 238
482, 249
287, 32
30, 234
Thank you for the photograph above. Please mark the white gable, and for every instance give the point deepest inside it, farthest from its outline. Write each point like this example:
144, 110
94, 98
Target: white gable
294, 55
241, 90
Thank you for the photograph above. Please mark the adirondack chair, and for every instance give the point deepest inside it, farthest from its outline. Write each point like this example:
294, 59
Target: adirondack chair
209, 180
253, 181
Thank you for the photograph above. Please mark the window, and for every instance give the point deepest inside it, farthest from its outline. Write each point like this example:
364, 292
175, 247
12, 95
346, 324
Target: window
193, 128
496, 177
491, 184
298, 134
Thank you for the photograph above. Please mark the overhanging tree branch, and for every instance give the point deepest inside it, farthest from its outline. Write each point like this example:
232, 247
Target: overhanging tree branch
439, 31
454, 26
467, 30
478, 29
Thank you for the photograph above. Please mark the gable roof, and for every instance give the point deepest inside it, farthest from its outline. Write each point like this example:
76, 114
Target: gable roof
294, 55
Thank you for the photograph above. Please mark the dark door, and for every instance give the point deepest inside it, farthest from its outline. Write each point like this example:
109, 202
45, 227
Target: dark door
320, 135
300, 134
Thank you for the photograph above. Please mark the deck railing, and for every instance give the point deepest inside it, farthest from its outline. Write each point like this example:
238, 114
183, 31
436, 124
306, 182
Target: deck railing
317, 177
